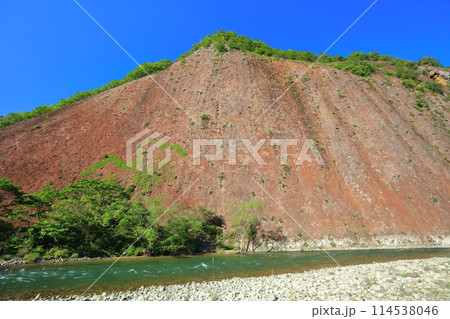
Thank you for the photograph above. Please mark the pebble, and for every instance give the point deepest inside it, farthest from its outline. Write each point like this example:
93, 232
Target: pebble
418, 279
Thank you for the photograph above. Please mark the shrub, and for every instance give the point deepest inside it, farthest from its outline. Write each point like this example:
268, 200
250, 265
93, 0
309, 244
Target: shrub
433, 87
409, 84
356, 67
421, 103
109, 221
405, 73
430, 61
331, 58
61, 253
358, 56
245, 224
31, 257
373, 56
143, 70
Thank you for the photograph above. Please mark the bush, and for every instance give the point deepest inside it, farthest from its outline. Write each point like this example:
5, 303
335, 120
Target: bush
356, 67
409, 84
433, 87
98, 218
245, 224
358, 56
420, 104
331, 58
31, 257
145, 69
405, 73
224, 41
430, 61
61, 253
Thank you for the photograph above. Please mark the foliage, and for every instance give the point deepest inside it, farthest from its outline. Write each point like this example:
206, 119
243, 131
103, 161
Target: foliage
405, 73
358, 56
409, 84
146, 69
186, 234
107, 159
430, 61
245, 225
98, 218
356, 67
9, 192
224, 41
420, 104
176, 148
432, 86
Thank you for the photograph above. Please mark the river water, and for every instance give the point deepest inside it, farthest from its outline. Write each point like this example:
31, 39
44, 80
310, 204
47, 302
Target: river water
26, 281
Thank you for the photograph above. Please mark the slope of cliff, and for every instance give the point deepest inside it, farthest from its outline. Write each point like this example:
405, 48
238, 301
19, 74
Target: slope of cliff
384, 176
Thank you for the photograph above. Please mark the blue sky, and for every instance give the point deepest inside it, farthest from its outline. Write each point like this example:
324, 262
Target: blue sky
51, 49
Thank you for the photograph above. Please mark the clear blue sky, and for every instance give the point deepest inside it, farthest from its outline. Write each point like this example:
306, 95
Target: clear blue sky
51, 49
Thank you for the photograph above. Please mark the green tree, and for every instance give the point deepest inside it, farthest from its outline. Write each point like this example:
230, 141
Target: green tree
433, 87
356, 67
430, 61
358, 56
245, 224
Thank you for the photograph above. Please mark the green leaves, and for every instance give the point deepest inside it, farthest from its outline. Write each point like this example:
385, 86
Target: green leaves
189, 233
430, 61
356, 67
246, 223
145, 69
98, 218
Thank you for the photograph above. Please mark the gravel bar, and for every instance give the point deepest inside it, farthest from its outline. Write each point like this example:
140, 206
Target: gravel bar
418, 279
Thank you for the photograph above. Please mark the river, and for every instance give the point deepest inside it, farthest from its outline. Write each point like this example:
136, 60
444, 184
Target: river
26, 281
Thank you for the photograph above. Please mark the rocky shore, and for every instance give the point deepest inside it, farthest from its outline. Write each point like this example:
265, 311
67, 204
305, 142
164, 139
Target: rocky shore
21, 261
418, 279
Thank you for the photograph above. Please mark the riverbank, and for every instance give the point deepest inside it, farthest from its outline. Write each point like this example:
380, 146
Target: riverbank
17, 261
418, 279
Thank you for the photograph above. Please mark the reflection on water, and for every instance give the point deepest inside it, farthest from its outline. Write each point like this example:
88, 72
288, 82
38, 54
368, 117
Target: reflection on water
71, 277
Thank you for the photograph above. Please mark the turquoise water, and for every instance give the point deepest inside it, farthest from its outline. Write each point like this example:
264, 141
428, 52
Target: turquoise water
25, 281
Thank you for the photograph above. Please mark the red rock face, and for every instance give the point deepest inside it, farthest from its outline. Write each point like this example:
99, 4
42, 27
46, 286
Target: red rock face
384, 159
